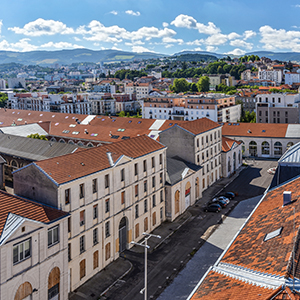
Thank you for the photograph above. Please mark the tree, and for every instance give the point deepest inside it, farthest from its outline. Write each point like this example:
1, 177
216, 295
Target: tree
180, 85
37, 136
122, 114
203, 84
3, 99
193, 87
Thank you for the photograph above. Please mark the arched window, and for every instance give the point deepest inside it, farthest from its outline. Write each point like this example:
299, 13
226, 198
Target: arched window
265, 148
53, 284
229, 165
80, 144
253, 148
90, 145
53, 140
14, 164
289, 145
277, 148
239, 157
62, 141
24, 291
70, 142
243, 146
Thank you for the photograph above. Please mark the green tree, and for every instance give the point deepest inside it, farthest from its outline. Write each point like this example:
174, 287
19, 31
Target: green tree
37, 136
193, 87
3, 99
122, 114
180, 85
203, 84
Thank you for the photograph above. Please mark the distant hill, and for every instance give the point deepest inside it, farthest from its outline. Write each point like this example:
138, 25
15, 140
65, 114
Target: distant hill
195, 57
200, 52
67, 57
282, 56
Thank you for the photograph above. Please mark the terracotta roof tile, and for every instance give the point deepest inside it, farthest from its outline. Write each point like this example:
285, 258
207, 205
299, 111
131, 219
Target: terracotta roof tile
217, 286
27, 209
255, 129
227, 143
72, 166
200, 125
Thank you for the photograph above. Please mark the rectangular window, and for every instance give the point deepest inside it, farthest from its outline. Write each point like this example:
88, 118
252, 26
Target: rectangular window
95, 259
137, 230
153, 218
53, 236
145, 166
136, 211
69, 252
161, 176
82, 268
81, 190
136, 190
161, 214
21, 251
145, 224
123, 197
161, 196
82, 244
67, 196
69, 224
106, 205
106, 181
95, 236
136, 169
153, 201
160, 159
122, 175
153, 181
95, 185
145, 186
95, 211
145, 205
82, 218
107, 251
107, 229
153, 162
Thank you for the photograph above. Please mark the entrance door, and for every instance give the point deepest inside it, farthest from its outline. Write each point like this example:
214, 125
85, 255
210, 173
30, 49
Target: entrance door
122, 235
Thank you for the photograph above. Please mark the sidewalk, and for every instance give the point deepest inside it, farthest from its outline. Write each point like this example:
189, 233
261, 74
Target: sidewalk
114, 272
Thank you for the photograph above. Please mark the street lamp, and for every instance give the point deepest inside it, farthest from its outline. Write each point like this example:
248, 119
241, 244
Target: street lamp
146, 247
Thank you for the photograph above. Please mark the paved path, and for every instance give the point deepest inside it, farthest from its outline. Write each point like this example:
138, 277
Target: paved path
208, 254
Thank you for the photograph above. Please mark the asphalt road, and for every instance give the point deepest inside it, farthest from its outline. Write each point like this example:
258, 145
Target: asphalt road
166, 262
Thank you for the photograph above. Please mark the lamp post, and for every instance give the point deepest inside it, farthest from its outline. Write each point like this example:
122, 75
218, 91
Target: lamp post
146, 247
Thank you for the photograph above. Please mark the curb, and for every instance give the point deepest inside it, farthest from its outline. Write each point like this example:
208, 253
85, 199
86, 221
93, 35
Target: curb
122, 276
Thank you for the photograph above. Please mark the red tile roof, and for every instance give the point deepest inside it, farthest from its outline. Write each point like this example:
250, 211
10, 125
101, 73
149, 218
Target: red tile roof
75, 165
200, 125
27, 209
218, 286
227, 143
255, 129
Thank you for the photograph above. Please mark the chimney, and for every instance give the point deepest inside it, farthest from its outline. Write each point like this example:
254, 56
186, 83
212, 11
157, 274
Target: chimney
287, 197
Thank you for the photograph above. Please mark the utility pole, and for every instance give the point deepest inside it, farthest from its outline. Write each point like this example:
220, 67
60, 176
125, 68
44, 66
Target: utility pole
146, 247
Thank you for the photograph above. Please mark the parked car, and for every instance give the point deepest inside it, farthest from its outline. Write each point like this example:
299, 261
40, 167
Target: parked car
217, 199
229, 195
214, 207
222, 203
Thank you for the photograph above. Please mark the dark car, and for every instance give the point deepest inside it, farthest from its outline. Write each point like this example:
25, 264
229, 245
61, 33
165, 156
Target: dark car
229, 195
222, 203
214, 207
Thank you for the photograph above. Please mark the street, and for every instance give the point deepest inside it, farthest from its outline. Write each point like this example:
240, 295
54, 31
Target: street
166, 262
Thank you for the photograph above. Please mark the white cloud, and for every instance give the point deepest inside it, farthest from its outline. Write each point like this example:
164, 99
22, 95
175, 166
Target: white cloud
77, 39
115, 48
169, 46
184, 21
233, 35
249, 34
172, 40
195, 42
140, 49
236, 52
165, 24
60, 45
22, 45
211, 28
113, 12
274, 39
211, 48
198, 49
131, 12
134, 43
150, 32
241, 43
216, 39
41, 27
297, 5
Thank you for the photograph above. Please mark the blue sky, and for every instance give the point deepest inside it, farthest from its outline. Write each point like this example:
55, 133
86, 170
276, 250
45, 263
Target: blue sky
163, 26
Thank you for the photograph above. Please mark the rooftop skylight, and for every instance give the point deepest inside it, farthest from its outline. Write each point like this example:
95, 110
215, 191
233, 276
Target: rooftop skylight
273, 234
115, 136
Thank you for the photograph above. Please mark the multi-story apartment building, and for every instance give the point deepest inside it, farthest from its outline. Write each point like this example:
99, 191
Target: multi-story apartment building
2, 84
33, 250
102, 103
248, 99
273, 75
292, 77
216, 108
140, 89
277, 108
113, 193
104, 88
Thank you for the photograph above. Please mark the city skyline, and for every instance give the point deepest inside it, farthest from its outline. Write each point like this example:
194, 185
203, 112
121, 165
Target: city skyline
229, 27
